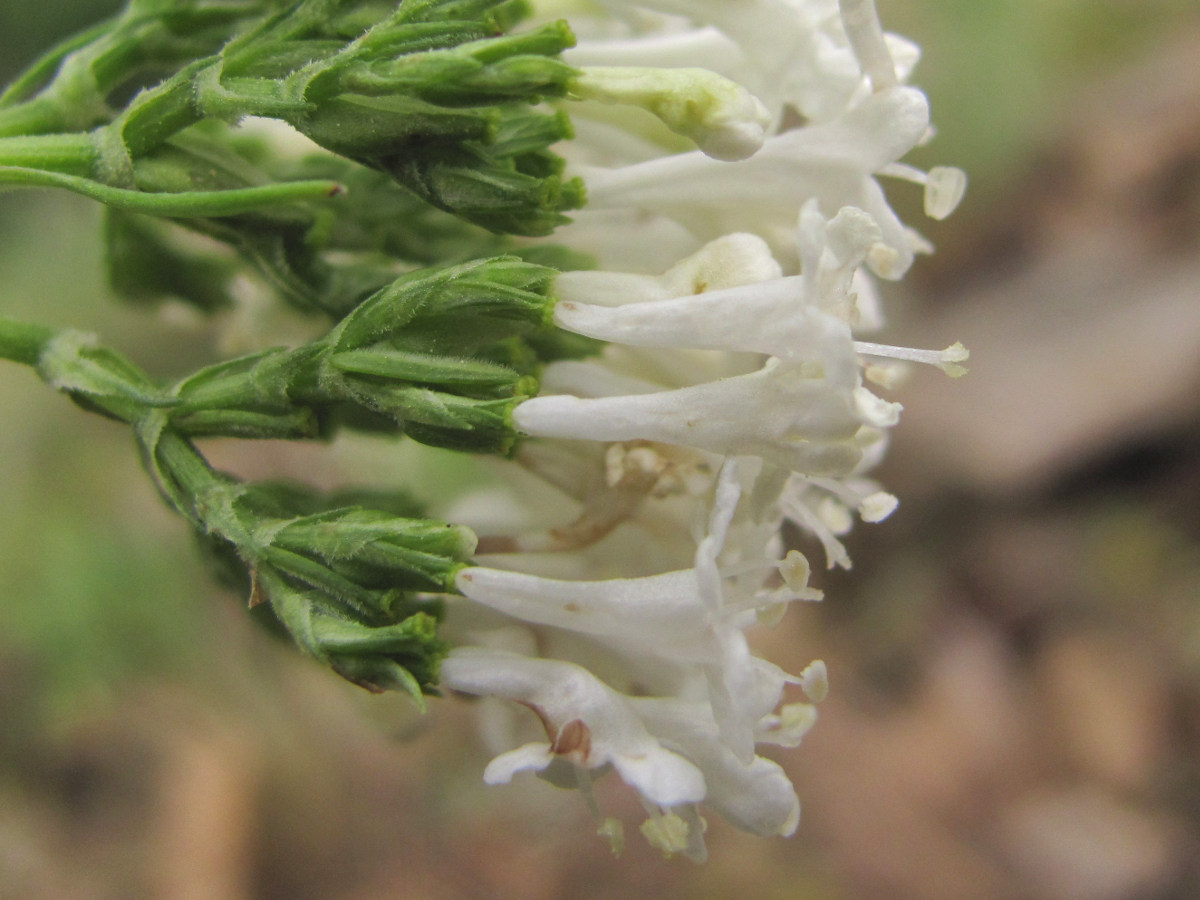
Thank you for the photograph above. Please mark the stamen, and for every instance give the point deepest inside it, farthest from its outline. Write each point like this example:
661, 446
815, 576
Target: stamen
788, 728
795, 570
944, 186
800, 513
631, 475
944, 190
614, 832
672, 834
667, 833
839, 489
873, 507
584, 781
947, 360
814, 681
877, 506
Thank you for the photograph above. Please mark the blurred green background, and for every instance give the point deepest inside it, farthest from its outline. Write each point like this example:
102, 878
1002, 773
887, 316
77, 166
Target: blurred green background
1015, 659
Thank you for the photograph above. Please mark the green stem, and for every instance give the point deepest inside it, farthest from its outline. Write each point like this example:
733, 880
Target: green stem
191, 479
186, 204
161, 113
23, 342
68, 154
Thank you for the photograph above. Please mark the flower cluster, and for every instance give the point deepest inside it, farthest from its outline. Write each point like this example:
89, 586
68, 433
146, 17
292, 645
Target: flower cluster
705, 385
732, 384
704, 700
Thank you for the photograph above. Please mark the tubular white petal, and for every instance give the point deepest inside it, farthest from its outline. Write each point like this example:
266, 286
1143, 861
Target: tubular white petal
732, 260
866, 37
725, 120
652, 608
704, 47
833, 163
875, 410
731, 678
863, 141
592, 379
780, 413
708, 577
756, 796
563, 693
789, 53
772, 318
526, 758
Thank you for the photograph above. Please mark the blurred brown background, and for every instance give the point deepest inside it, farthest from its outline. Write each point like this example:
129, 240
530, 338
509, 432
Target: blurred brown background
1015, 658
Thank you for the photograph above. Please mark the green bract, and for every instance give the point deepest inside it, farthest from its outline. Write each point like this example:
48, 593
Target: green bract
432, 93
426, 146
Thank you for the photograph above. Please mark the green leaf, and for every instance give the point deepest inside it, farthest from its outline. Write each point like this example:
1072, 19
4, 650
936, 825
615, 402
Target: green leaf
184, 203
428, 369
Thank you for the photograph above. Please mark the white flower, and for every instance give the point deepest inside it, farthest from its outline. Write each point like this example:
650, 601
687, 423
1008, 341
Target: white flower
785, 412
588, 724
816, 62
825, 508
785, 51
725, 298
805, 409
729, 399
686, 619
708, 700
732, 260
834, 163
757, 796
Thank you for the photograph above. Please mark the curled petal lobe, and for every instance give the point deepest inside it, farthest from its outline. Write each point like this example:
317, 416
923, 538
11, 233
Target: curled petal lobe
563, 693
